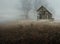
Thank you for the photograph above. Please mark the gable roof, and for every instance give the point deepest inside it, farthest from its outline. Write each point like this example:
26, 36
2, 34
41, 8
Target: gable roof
44, 8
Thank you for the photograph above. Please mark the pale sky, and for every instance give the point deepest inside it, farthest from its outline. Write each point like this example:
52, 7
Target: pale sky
55, 4
10, 9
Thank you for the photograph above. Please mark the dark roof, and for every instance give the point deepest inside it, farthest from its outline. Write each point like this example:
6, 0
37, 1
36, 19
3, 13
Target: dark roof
40, 8
44, 8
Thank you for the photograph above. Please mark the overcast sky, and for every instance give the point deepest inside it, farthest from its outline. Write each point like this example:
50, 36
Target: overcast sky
12, 8
55, 4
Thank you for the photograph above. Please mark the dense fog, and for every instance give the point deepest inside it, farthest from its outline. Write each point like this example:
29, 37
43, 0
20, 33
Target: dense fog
20, 9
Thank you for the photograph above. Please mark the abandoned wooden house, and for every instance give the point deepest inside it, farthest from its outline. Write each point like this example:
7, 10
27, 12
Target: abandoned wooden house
43, 13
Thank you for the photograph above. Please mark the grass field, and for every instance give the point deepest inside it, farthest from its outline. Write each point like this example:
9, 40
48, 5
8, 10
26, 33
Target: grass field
30, 32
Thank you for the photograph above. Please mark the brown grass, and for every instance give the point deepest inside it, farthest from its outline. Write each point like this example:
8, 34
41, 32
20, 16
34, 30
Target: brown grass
30, 33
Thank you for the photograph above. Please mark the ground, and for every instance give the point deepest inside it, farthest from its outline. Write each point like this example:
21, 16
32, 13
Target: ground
30, 32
